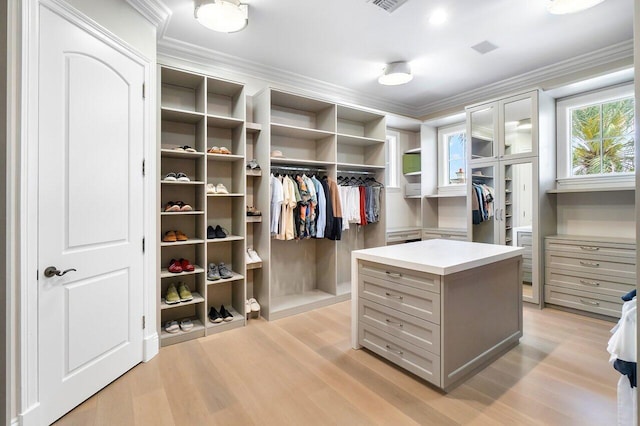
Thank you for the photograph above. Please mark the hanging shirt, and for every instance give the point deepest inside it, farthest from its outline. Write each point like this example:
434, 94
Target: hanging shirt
322, 208
336, 232
277, 196
288, 205
328, 229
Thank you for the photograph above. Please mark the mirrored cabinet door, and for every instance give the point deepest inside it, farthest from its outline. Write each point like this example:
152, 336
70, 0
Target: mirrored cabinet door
482, 121
516, 220
518, 125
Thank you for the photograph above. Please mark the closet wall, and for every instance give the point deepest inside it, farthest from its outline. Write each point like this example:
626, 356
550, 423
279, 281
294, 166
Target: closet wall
598, 214
402, 211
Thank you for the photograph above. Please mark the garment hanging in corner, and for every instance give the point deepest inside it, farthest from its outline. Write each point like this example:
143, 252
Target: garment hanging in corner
360, 200
481, 203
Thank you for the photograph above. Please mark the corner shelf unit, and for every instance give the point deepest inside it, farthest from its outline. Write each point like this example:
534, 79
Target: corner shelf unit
201, 112
323, 138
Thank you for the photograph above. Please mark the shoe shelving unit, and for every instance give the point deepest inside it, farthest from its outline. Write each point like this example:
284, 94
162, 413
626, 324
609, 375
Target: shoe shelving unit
325, 139
202, 112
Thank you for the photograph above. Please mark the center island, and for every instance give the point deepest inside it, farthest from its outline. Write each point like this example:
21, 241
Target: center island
441, 309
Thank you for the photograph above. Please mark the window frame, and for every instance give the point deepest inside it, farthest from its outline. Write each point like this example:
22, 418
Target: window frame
392, 166
443, 159
563, 139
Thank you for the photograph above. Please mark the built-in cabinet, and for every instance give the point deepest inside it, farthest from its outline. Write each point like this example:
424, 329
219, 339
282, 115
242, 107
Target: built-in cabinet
197, 113
309, 136
510, 146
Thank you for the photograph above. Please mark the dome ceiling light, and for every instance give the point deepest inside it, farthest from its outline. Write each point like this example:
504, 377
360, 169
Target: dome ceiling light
396, 73
226, 16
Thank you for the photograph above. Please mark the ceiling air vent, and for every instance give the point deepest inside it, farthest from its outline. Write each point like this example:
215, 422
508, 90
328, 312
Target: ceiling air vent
387, 5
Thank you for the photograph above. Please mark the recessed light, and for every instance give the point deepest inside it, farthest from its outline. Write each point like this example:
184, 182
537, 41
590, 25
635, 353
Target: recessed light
438, 17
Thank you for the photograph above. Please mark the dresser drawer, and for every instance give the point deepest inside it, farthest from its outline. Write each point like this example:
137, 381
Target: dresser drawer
444, 236
416, 331
524, 239
583, 300
592, 264
589, 282
422, 281
410, 300
591, 248
399, 237
412, 358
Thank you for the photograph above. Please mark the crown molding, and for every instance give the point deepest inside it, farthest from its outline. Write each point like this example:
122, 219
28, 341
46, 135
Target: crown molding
200, 57
536, 78
155, 11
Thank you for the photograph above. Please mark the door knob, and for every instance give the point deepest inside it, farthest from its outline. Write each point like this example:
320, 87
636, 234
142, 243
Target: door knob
52, 271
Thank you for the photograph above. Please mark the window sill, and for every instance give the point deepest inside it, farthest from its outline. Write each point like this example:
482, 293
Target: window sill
625, 182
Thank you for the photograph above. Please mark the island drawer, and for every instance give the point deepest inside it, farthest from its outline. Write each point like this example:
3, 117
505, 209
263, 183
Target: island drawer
583, 300
412, 358
594, 283
419, 280
416, 331
406, 299
594, 264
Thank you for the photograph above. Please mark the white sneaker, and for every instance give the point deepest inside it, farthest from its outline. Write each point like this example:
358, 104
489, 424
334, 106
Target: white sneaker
247, 307
255, 306
248, 256
211, 188
253, 255
221, 189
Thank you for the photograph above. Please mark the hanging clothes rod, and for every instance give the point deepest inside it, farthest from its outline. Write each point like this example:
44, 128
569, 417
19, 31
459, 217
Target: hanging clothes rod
355, 172
298, 169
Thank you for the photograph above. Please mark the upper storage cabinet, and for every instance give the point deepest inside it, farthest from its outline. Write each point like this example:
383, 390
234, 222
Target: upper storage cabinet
504, 129
303, 114
361, 137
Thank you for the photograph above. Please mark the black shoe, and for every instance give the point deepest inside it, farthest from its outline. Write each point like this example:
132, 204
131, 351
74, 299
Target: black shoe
214, 316
211, 234
226, 315
219, 232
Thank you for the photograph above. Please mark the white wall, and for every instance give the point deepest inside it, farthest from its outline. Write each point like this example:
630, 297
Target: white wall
400, 211
601, 214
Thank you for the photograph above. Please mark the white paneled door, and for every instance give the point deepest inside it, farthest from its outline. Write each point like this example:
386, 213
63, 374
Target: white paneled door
90, 218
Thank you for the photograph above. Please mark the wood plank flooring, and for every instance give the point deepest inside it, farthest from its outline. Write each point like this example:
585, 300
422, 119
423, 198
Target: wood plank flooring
302, 371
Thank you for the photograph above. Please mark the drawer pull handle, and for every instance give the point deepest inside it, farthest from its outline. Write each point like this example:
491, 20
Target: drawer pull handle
590, 264
590, 302
445, 235
394, 296
591, 283
394, 274
399, 324
389, 348
590, 248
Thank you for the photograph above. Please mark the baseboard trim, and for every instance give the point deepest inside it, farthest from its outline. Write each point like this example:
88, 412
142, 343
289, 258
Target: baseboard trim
151, 347
30, 417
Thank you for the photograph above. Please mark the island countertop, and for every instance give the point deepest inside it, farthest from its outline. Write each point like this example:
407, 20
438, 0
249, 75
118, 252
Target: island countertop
441, 257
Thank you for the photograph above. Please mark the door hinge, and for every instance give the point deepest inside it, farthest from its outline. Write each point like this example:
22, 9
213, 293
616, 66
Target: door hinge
144, 322
144, 168
144, 90
37, 275
143, 244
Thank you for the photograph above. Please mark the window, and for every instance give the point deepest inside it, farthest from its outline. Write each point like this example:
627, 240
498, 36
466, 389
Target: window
452, 159
596, 136
392, 160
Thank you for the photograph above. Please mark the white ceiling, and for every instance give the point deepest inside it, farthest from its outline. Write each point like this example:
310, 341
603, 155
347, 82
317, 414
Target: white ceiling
345, 43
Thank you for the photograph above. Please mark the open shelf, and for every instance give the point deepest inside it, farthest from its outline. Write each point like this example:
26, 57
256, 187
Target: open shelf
189, 242
225, 239
173, 153
253, 128
306, 300
284, 161
298, 132
191, 213
254, 265
223, 122
181, 336
180, 115
235, 277
237, 321
233, 194
254, 219
224, 157
358, 140
353, 166
170, 182
197, 298
464, 195
594, 189
164, 272
254, 172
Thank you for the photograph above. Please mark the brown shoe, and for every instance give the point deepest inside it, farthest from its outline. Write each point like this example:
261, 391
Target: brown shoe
170, 237
180, 236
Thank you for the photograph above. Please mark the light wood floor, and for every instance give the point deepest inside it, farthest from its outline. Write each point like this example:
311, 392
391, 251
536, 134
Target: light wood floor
302, 371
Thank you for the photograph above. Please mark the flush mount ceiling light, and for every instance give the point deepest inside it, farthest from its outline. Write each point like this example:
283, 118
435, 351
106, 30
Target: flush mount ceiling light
396, 73
226, 16
562, 7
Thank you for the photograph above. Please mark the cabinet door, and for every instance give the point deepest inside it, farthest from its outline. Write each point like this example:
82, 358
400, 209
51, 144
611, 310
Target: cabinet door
483, 190
515, 215
518, 126
482, 126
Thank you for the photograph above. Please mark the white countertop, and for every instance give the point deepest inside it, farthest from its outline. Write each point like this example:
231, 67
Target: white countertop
441, 257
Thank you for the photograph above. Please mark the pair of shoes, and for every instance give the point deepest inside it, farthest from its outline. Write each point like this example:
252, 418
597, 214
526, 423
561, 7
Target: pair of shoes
176, 177
215, 272
220, 150
251, 305
217, 232
181, 294
173, 236
252, 256
182, 265
217, 189
252, 211
253, 165
185, 148
178, 206
217, 317
173, 326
